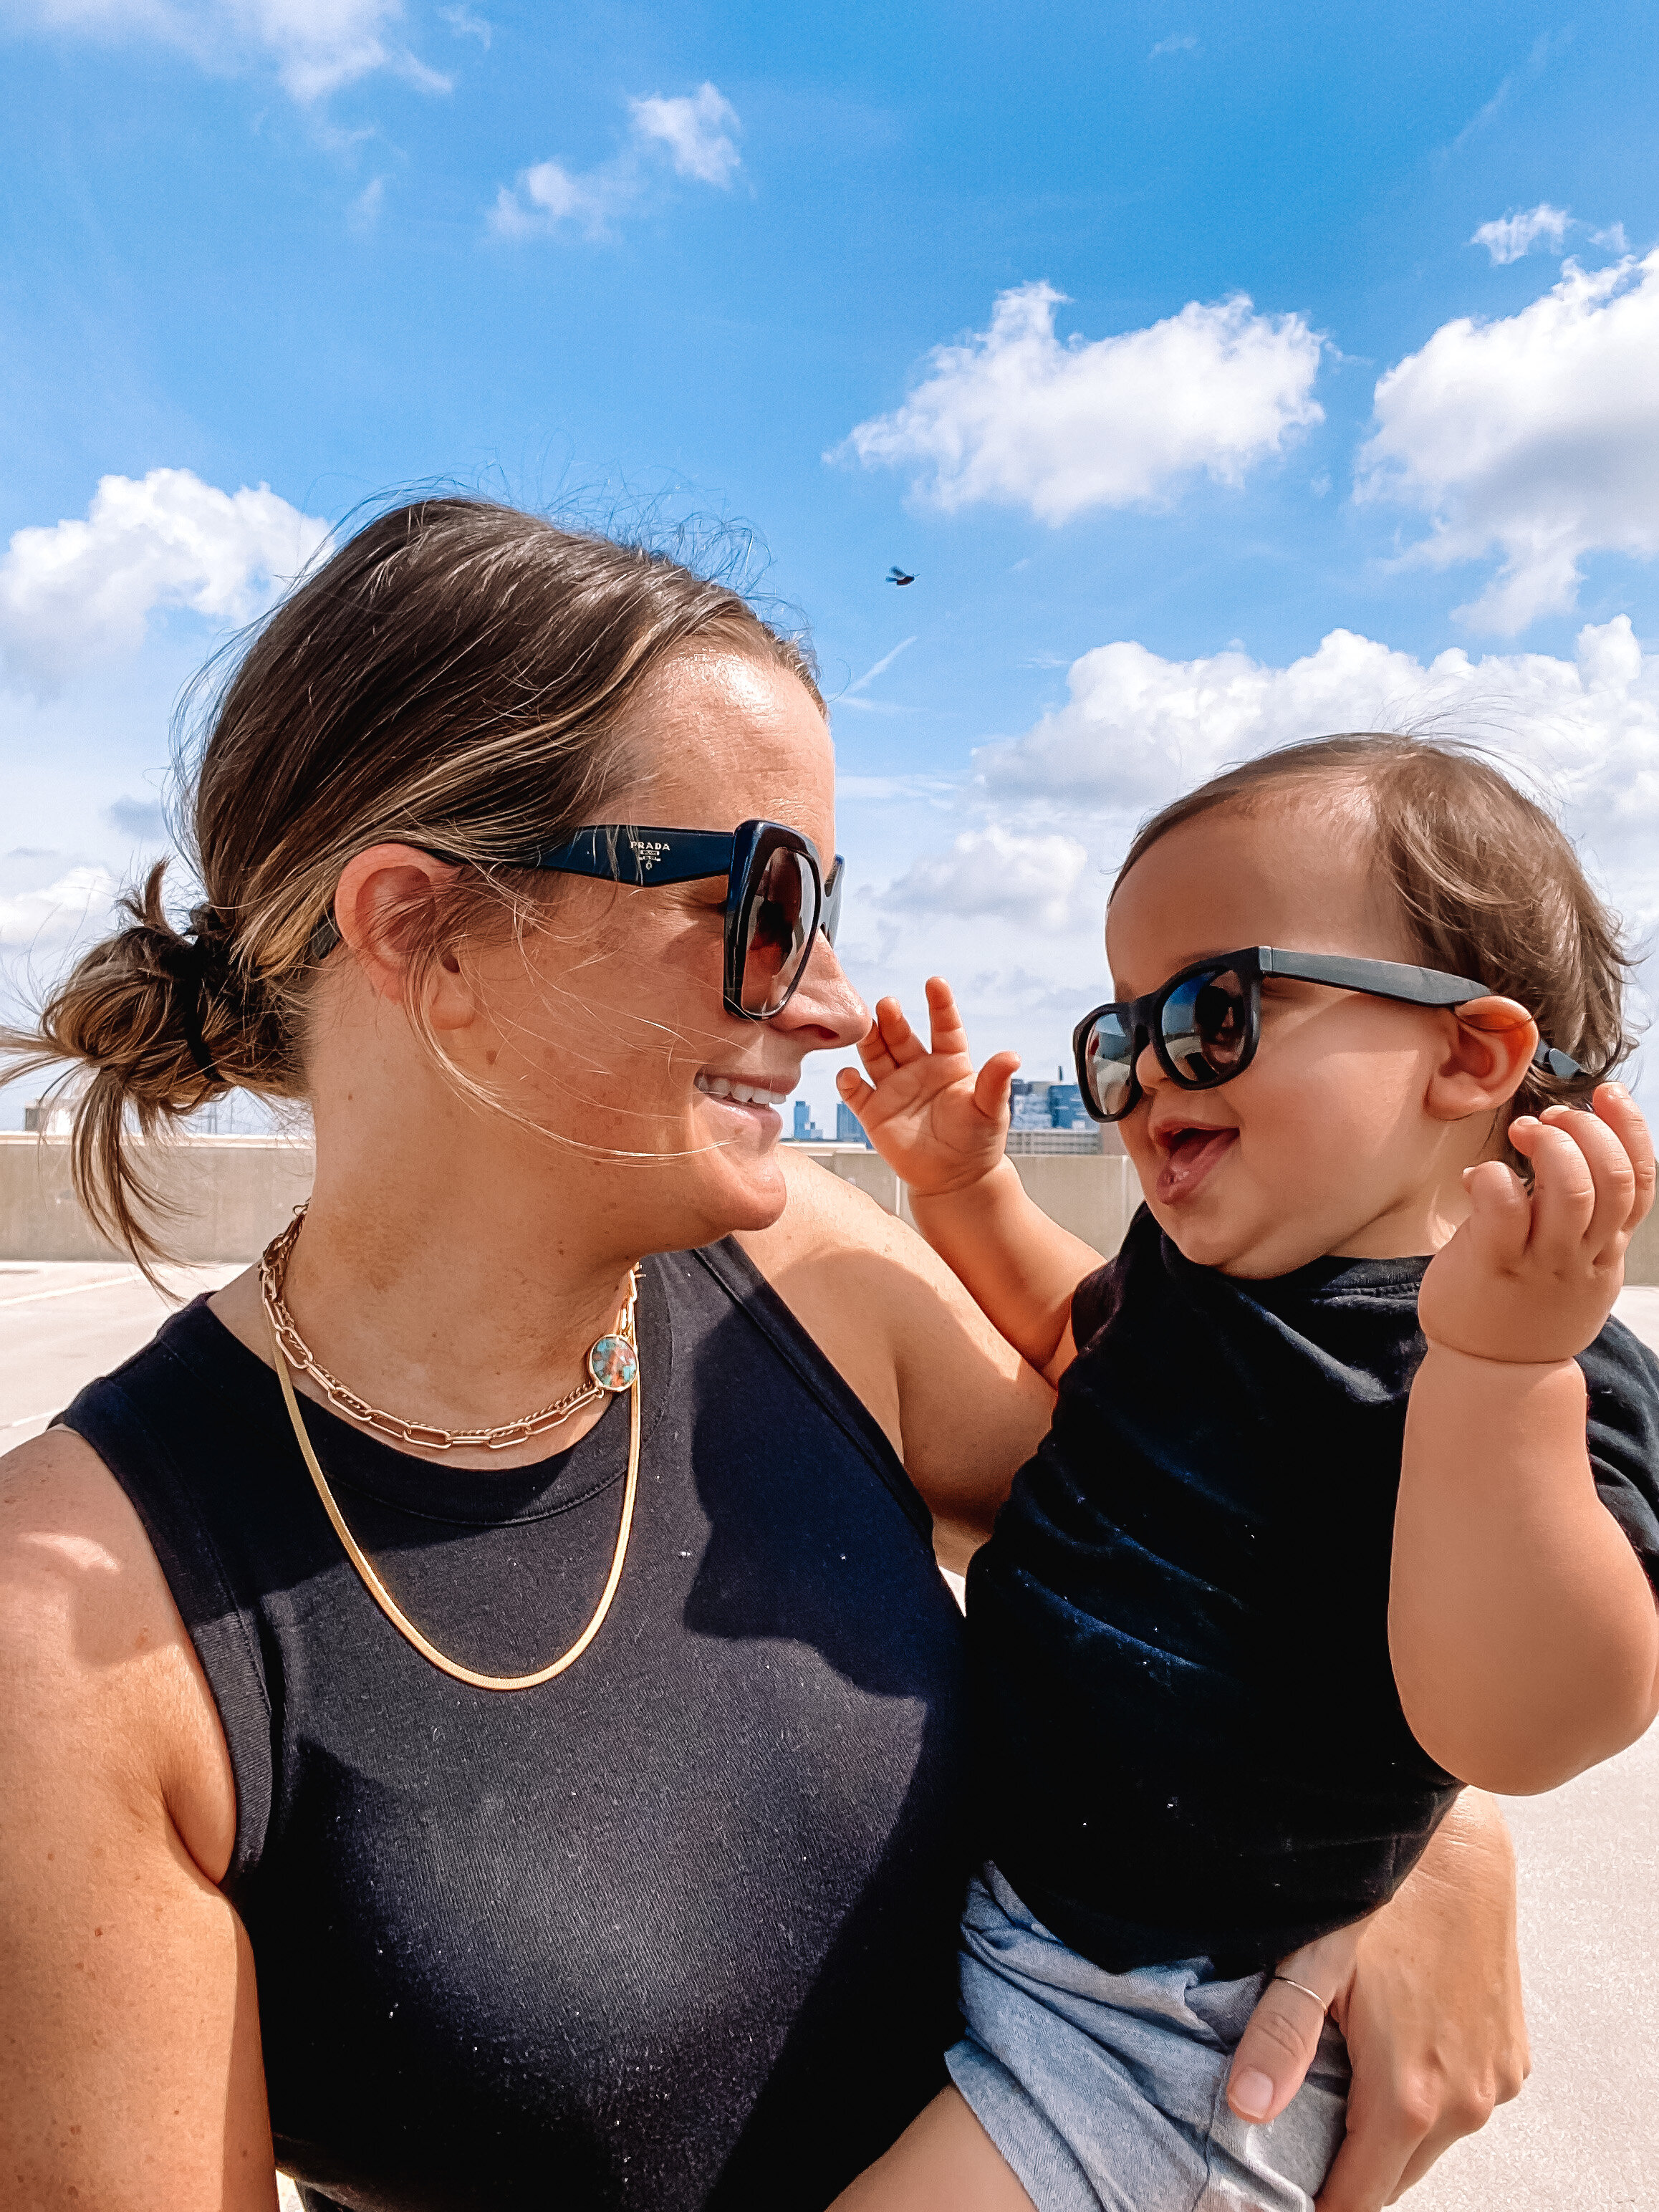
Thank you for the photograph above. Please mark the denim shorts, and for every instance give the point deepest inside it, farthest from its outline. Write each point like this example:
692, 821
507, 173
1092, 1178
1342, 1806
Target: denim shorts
1111, 2089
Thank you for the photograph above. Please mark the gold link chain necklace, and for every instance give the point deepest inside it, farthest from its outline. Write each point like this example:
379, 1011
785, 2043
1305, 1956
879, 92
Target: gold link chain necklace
614, 1364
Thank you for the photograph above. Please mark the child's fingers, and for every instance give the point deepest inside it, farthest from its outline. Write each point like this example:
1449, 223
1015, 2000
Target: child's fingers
1500, 1212
991, 1084
1612, 1173
899, 1038
1615, 1105
857, 1093
943, 1021
876, 1045
872, 1051
1563, 1191
903, 1043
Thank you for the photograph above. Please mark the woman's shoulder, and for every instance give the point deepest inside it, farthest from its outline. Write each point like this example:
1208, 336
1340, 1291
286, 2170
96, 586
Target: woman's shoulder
959, 1405
824, 1211
866, 1273
95, 1662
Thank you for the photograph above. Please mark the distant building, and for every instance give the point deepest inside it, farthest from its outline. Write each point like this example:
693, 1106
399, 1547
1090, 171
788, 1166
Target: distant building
849, 1130
1023, 1142
1050, 1117
1065, 1107
1042, 1105
1030, 1104
806, 1130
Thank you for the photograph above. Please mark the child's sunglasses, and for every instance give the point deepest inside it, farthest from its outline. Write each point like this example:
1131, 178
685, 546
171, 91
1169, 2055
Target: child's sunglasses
777, 899
1205, 1023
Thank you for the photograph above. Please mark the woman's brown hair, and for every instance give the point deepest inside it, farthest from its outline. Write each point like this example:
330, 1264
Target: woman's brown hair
1488, 883
452, 677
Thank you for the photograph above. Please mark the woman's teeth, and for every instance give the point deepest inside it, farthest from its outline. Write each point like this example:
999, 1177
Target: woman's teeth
746, 1094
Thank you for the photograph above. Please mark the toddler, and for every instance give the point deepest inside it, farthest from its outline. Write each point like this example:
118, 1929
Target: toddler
1351, 1494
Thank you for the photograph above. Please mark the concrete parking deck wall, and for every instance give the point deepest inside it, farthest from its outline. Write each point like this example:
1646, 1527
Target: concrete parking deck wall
225, 1197
228, 1196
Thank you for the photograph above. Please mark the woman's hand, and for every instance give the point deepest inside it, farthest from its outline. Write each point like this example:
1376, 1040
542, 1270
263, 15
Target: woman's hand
938, 1125
1427, 1993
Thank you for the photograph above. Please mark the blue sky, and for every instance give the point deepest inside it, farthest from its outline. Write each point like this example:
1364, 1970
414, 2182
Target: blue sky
1252, 382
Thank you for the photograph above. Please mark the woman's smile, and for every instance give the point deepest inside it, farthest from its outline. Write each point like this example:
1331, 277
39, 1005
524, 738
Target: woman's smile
756, 1099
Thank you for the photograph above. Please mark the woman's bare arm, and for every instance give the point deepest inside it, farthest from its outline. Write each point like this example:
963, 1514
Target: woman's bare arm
133, 2077
1427, 1991
962, 1408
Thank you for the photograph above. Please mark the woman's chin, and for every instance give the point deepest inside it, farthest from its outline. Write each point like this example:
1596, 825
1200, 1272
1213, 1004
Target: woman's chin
737, 1153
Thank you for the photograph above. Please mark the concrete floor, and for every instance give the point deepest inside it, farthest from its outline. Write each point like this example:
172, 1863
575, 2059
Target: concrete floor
1583, 2135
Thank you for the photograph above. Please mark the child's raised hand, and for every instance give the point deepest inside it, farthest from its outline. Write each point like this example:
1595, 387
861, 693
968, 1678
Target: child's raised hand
1532, 1276
925, 1111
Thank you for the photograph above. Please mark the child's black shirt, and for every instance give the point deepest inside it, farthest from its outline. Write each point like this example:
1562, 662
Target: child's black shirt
1188, 1740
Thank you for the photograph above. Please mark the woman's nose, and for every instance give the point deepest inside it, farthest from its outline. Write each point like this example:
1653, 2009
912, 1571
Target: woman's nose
826, 1013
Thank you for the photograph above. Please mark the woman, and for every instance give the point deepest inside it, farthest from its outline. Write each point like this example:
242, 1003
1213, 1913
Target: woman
299, 1856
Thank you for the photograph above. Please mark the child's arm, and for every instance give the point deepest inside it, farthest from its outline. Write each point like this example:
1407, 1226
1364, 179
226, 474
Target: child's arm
943, 1130
1523, 1630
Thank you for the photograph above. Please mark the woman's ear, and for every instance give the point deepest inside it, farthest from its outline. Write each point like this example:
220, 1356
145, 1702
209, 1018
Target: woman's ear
383, 898
1490, 1043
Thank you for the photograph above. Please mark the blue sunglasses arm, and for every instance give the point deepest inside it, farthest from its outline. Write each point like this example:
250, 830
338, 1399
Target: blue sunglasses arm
1378, 979
1395, 979
637, 854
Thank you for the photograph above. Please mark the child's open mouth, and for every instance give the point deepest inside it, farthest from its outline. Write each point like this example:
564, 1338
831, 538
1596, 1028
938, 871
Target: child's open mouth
1190, 1153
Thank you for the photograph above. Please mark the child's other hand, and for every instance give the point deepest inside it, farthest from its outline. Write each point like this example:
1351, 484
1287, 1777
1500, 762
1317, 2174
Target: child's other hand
1532, 1276
923, 1110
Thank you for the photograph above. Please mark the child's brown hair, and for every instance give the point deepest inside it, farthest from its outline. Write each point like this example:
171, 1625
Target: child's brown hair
1488, 882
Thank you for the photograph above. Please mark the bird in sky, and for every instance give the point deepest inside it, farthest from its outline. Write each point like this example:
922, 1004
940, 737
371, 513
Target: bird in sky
896, 575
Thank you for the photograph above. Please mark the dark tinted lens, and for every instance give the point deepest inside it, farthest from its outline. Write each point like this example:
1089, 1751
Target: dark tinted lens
1206, 1025
1109, 1062
777, 932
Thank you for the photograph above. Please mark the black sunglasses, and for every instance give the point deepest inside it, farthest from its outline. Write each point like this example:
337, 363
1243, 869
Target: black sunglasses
1205, 1023
777, 898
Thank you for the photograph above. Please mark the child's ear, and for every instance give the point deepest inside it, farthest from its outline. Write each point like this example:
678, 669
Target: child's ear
1490, 1043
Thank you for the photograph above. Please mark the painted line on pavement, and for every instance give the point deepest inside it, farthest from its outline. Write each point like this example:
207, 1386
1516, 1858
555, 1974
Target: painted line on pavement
72, 1290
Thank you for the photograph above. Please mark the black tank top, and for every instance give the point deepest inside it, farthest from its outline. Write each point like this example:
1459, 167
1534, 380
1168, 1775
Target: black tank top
676, 1928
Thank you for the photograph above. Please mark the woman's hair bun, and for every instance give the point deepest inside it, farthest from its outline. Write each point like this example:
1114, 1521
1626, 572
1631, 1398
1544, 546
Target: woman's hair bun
162, 1021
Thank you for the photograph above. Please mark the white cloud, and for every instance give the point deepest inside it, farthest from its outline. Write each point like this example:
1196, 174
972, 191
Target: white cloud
465, 25
1537, 436
1018, 417
996, 871
79, 589
363, 216
1513, 235
50, 919
546, 195
695, 132
1178, 42
317, 45
1138, 729
690, 134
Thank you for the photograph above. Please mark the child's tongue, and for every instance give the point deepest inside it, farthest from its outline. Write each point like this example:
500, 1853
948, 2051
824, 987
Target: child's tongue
1192, 1156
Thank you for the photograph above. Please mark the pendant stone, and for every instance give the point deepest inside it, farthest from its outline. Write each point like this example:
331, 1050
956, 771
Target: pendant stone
613, 1364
